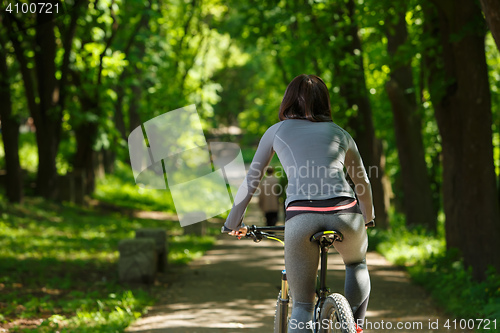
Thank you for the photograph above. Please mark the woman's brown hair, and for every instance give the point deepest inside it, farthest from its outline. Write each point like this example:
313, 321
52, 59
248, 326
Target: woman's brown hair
306, 97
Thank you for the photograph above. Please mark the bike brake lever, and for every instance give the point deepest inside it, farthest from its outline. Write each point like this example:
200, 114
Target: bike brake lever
256, 237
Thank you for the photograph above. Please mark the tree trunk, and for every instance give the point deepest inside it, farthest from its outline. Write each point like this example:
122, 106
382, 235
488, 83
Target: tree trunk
461, 97
86, 134
136, 98
10, 134
417, 200
491, 9
353, 89
140, 46
133, 110
48, 119
44, 93
42, 111
118, 115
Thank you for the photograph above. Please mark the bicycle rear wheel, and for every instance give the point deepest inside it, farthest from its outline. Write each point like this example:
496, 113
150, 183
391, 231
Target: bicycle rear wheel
281, 315
336, 315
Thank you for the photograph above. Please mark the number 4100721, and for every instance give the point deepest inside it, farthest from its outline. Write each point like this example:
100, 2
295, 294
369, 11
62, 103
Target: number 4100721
33, 8
462, 324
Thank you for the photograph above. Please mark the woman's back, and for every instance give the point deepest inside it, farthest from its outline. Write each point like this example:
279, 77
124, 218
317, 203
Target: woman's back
312, 155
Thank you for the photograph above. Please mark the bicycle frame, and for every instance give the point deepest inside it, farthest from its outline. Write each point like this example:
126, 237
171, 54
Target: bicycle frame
322, 291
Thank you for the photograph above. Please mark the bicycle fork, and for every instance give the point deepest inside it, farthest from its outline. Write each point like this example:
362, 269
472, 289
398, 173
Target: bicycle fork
283, 304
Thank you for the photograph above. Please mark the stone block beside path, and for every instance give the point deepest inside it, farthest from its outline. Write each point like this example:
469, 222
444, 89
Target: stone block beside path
159, 236
138, 260
198, 228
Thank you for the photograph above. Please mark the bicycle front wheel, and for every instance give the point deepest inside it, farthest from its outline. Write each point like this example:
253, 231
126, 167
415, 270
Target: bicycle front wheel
336, 315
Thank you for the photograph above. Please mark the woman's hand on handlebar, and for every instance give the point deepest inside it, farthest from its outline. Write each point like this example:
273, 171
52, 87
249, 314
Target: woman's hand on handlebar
239, 233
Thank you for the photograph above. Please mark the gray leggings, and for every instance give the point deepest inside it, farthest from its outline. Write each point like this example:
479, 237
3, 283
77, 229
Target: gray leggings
302, 257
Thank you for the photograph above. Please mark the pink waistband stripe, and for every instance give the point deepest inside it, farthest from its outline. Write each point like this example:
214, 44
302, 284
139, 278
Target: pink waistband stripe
322, 209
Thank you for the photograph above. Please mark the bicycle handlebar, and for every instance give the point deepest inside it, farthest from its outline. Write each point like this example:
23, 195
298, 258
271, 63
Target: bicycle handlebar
370, 224
257, 233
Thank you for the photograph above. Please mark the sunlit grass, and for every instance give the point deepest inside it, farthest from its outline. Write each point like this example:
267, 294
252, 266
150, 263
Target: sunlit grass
442, 272
120, 189
405, 248
58, 265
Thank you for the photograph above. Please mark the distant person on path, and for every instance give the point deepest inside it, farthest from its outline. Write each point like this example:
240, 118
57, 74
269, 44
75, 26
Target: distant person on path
270, 190
314, 152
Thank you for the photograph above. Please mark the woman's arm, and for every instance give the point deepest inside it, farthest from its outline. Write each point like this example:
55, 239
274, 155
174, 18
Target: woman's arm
357, 172
245, 192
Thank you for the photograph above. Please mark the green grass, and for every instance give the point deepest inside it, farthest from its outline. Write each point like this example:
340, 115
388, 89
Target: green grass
120, 189
58, 265
406, 247
439, 271
451, 284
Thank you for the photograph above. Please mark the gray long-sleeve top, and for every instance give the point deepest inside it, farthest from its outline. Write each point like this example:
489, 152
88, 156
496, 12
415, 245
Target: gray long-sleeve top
314, 156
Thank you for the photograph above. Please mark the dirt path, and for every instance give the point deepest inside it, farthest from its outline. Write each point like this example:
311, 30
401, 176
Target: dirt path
233, 288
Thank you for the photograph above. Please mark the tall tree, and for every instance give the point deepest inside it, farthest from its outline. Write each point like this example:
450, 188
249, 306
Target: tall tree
45, 93
90, 95
134, 49
458, 82
491, 9
417, 201
10, 130
353, 89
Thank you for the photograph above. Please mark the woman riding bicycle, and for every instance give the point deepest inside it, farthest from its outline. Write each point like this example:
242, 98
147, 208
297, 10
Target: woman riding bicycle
314, 152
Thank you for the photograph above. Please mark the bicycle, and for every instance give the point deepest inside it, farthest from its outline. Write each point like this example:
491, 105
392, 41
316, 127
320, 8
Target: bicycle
332, 312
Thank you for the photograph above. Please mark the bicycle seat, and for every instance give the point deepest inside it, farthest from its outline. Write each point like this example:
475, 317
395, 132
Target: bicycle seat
327, 237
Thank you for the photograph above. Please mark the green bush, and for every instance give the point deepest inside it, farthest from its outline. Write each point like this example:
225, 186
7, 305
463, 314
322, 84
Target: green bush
440, 271
453, 287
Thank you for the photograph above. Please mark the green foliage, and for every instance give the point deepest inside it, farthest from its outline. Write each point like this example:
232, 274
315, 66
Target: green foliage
440, 271
451, 284
493, 61
409, 247
406, 247
94, 311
